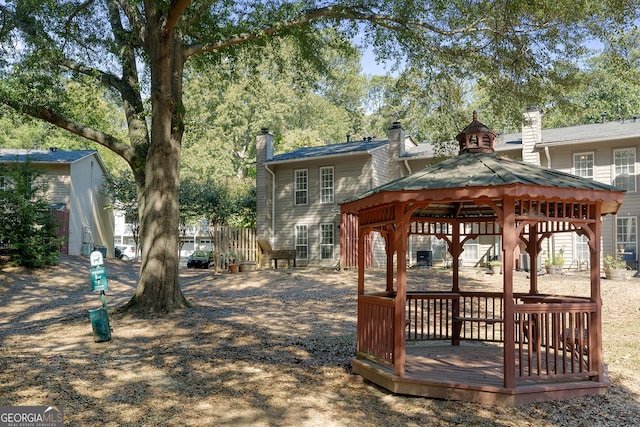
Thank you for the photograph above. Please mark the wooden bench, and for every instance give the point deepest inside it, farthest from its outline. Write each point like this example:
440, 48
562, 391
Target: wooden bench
269, 254
288, 254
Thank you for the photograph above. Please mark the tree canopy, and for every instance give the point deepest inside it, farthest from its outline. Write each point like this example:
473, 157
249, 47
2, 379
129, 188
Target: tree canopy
136, 53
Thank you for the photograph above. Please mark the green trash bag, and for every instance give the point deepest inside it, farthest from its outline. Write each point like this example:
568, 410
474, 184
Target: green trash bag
100, 324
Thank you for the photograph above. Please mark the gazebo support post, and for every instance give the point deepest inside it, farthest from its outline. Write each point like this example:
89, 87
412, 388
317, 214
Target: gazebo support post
361, 239
509, 243
595, 327
533, 250
389, 248
399, 238
455, 249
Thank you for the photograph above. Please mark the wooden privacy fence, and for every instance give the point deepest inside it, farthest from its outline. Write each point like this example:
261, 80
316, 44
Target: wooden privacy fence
233, 244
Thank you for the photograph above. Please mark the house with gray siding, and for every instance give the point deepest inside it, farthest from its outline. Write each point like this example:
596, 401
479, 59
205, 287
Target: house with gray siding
75, 180
299, 192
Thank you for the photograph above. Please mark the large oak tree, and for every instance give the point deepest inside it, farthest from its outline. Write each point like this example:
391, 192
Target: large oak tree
137, 50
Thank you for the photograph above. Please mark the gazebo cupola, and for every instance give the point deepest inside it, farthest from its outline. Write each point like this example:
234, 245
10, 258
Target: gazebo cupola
476, 137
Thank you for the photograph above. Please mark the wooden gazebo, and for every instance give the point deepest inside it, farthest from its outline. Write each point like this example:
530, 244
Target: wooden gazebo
533, 346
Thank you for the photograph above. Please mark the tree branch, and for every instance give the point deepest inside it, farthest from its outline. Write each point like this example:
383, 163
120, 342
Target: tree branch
136, 20
109, 141
176, 9
338, 12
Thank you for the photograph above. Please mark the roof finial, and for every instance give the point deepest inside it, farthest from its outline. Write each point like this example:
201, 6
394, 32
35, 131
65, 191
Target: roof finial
475, 115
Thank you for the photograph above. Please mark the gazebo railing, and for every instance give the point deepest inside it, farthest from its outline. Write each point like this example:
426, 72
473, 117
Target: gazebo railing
481, 316
431, 316
552, 333
375, 327
553, 339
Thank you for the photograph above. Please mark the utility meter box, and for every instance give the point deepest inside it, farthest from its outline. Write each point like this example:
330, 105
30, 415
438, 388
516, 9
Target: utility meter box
99, 279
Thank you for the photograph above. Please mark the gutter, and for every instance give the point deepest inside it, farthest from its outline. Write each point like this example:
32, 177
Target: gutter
273, 204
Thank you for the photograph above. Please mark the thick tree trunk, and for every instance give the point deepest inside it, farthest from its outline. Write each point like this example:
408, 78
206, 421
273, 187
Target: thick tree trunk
158, 288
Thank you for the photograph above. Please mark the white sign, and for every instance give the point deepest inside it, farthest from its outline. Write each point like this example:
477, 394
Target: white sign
96, 259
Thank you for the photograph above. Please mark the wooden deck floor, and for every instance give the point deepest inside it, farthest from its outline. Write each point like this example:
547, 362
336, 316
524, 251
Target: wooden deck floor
469, 372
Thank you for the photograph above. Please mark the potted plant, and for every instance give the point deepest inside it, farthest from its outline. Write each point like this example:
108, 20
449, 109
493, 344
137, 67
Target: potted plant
555, 263
614, 267
234, 266
495, 266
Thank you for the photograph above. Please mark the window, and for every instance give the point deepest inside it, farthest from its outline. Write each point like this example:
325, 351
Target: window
326, 241
624, 173
582, 253
439, 248
302, 186
583, 165
326, 184
471, 250
626, 234
302, 242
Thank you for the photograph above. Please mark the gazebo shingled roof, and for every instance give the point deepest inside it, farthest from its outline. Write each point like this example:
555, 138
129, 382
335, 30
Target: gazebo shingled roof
484, 170
477, 194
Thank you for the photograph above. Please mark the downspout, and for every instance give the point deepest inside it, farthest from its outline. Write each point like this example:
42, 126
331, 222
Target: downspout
406, 165
546, 153
273, 205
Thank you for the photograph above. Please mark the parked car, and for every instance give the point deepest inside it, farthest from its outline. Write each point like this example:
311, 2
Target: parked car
200, 259
125, 252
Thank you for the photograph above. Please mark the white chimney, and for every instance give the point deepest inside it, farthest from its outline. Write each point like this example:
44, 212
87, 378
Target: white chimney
396, 148
531, 135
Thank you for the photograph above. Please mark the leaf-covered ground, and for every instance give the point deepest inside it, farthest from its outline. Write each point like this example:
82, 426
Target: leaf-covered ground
263, 348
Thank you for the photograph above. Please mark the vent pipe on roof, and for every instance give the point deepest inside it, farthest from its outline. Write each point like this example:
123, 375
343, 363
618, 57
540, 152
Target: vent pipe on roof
348, 137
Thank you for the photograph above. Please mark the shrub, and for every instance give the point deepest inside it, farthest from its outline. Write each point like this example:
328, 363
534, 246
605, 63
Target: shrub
27, 220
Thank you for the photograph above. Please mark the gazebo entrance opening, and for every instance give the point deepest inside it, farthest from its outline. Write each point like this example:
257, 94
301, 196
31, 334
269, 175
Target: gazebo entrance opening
539, 346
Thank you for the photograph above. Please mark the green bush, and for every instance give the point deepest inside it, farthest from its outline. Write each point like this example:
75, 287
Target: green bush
27, 221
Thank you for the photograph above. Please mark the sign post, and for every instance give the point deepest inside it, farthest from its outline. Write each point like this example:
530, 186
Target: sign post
99, 317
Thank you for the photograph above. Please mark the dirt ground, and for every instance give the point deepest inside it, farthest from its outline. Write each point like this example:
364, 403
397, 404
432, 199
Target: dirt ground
262, 348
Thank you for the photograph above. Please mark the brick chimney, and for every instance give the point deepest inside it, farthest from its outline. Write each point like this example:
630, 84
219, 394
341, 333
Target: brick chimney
531, 135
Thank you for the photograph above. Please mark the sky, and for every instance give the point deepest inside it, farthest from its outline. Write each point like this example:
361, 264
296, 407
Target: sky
369, 64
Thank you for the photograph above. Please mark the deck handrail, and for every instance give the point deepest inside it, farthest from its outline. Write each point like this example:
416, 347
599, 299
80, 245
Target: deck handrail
552, 332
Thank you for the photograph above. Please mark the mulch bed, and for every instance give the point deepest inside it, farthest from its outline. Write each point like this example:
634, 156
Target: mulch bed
262, 348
